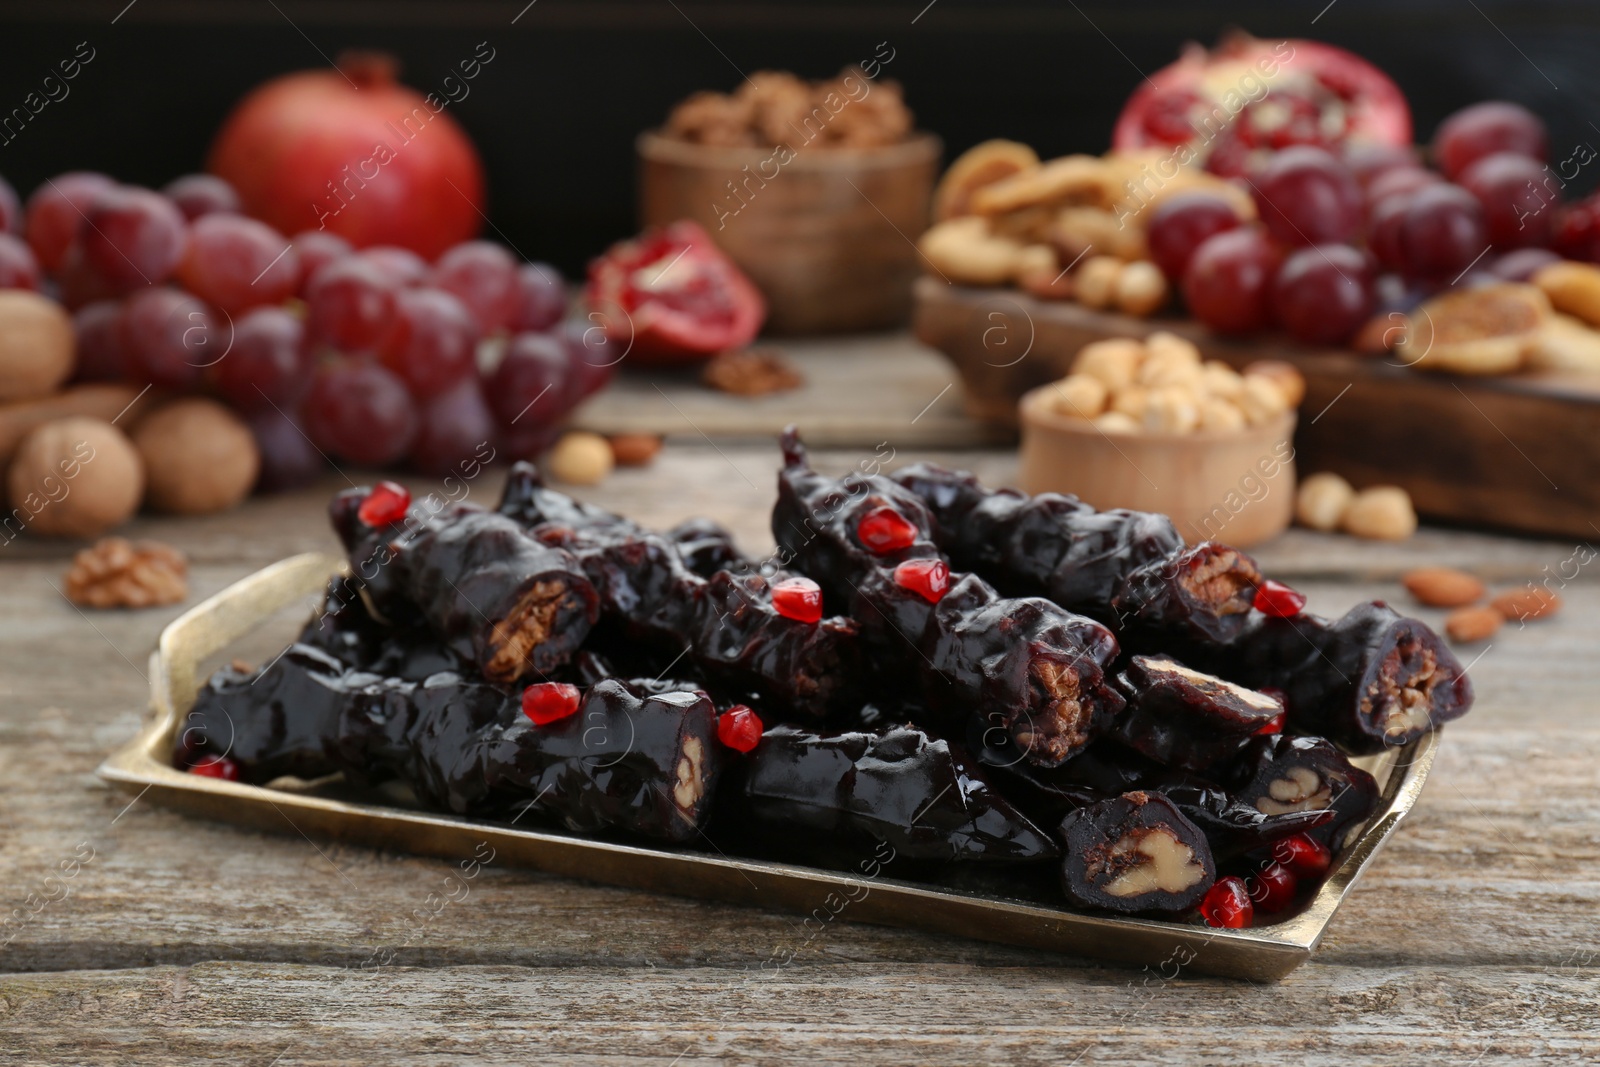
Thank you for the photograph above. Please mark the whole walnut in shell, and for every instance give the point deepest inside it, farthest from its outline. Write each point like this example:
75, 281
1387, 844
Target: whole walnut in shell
74, 477
198, 456
36, 345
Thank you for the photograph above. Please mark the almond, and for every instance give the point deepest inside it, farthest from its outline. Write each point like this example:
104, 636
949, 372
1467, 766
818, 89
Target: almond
1466, 625
1444, 587
634, 449
1524, 605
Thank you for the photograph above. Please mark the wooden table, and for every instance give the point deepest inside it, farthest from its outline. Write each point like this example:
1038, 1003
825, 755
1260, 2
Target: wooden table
1473, 940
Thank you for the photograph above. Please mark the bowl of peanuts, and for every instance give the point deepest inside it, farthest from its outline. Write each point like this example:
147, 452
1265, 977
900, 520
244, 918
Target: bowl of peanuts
1151, 426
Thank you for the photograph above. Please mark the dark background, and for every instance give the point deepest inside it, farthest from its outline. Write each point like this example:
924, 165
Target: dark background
574, 80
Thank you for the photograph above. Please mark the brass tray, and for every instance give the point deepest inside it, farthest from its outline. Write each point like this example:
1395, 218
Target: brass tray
142, 766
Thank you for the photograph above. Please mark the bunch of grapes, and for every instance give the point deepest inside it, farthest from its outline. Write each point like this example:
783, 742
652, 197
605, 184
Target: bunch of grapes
372, 357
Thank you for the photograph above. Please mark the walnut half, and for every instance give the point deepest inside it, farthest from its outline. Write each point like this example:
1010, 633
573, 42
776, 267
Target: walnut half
117, 573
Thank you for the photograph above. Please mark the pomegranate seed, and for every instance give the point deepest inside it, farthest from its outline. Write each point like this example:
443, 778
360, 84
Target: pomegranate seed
739, 728
1272, 889
217, 767
1227, 904
1278, 600
928, 578
548, 702
1273, 725
1303, 855
884, 530
799, 599
388, 502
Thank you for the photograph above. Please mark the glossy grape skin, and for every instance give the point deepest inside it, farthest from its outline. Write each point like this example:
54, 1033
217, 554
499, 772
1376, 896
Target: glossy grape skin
484, 276
541, 298
10, 209
1323, 294
1367, 161
1519, 198
531, 384
592, 358
1229, 281
77, 284
1306, 196
133, 237
432, 342
316, 248
1179, 225
360, 412
1442, 233
403, 266
1383, 229
198, 195
1398, 181
456, 428
350, 305
19, 269
268, 364
288, 458
55, 214
169, 337
98, 330
1522, 264
1485, 129
237, 263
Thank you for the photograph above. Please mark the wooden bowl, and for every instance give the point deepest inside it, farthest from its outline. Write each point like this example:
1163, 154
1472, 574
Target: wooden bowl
828, 236
1236, 487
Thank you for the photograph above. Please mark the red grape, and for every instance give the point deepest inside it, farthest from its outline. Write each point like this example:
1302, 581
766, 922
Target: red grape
528, 439
1442, 233
1383, 229
1228, 283
432, 342
530, 386
1518, 197
484, 276
269, 363
169, 337
1522, 264
1306, 196
78, 284
133, 237
456, 429
315, 248
288, 458
56, 211
202, 194
592, 359
18, 267
1323, 294
1400, 180
237, 263
360, 412
1180, 223
402, 266
1369, 160
350, 304
98, 329
541, 298
1484, 129
10, 209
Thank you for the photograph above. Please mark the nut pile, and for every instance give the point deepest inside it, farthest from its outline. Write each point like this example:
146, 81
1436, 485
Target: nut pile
1161, 385
1471, 621
773, 108
1327, 502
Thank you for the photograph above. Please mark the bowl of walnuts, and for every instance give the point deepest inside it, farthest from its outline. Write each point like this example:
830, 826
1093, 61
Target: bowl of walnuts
1149, 425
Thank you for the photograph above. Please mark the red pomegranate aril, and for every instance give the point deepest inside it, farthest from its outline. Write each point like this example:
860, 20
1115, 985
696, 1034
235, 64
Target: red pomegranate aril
883, 530
237, 263
388, 502
1228, 283
19, 269
928, 578
1272, 888
484, 276
133, 237
799, 599
1179, 225
1278, 600
1303, 855
350, 304
1519, 197
1273, 725
1323, 294
1227, 904
739, 728
432, 342
548, 702
198, 195
55, 213
1307, 197
1484, 129
216, 767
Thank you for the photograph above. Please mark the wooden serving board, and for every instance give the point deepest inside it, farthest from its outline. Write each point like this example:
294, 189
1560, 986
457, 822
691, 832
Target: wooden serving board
1520, 452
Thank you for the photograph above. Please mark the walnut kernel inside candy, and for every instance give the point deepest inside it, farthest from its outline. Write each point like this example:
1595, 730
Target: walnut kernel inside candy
691, 782
1146, 861
1403, 688
1069, 714
1223, 578
524, 629
1301, 789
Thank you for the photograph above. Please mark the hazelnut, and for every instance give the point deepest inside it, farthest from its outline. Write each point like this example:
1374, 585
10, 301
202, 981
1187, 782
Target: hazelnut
1141, 289
1219, 414
1290, 382
1035, 259
1079, 395
36, 345
1221, 381
1383, 513
1262, 400
1169, 345
1322, 501
634, 449
1131, 401
1170, 366
1171, 409
74, 477
580, 458
1114, 361
1116, 422
1097, 281
198, 457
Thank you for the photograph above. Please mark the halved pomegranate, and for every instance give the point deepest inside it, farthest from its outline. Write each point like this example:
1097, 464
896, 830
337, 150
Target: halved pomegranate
1247, 97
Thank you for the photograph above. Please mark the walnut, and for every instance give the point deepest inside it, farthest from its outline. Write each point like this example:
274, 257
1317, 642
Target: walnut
117, 573
752, 372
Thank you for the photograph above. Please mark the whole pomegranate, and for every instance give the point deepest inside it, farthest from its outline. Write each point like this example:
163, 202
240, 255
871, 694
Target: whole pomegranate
356, 153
